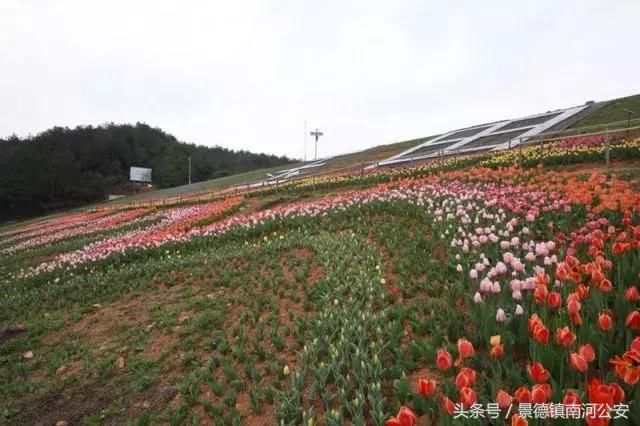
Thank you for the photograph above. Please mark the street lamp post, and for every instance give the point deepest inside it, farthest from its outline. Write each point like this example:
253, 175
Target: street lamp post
316, 133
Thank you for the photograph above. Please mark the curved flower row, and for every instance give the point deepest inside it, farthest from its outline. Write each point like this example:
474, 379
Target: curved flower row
173, 227
102, 223
50, 226
516, 199
579, 150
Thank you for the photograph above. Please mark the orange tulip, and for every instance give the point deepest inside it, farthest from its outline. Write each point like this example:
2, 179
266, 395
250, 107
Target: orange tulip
523, 395
468, 397
577, 362
540, 294
466, 378
405, 417
573, 306
605, 323
538, 373
554, 300
632, 294
587, 352
541, 393
465, 348
534, 323
517, 420
504, 400
444, 360
582, 291
564, 337
426, 387
497, 351
633, 321
605, 286
448, 405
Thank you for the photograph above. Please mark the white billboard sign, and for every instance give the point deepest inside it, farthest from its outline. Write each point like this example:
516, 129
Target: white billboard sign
140, 174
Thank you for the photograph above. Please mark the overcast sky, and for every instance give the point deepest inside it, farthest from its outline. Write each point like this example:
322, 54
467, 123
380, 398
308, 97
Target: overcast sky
247, 74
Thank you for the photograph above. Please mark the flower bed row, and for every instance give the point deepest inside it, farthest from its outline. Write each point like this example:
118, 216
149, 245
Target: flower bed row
174, 226
100, 224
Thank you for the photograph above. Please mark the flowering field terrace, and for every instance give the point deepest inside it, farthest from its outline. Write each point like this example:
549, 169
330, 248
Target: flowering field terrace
472, 296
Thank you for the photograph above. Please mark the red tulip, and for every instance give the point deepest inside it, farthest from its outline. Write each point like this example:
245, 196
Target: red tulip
577, 362
523, 395
576, 319
426, 387
497, 351
444, 360
600, 393
517, 420
449, 405
466, 378
564, 337
542, 335
632, 294
405, 417
633, 321
541, 393
628, 367
605, 286
468, 397
465, 348
618, 393
604, 397
554, 300
538, 373
597, 276
504, 400
621, 248
582, 291
605, 322
587, 352
540, 294
571, 398
573, 306
534, 323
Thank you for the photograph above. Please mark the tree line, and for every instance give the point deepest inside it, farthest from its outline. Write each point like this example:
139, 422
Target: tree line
62, 167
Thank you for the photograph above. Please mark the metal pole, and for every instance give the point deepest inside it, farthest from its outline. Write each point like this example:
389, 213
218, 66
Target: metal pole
607, 153
305, 140
189, 170
316, 155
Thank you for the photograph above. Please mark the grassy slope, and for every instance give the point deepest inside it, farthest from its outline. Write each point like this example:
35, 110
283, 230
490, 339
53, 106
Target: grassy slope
612, 112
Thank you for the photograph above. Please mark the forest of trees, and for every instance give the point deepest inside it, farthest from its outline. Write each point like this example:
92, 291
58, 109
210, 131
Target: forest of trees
61, 167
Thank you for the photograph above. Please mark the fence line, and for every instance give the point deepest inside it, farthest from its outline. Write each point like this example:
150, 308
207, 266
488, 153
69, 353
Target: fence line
359, 168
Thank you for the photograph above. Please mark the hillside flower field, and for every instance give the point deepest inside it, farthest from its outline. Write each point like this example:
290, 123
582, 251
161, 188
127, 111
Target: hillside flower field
501, 290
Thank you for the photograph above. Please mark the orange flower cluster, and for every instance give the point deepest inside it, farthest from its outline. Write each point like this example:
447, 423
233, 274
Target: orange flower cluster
627, 367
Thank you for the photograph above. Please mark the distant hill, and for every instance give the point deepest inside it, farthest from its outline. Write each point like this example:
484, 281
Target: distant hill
62, 168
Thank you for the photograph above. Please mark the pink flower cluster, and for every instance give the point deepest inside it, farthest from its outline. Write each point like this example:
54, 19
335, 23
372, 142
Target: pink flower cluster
98, 223
49, 226
173, 227
584, 142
